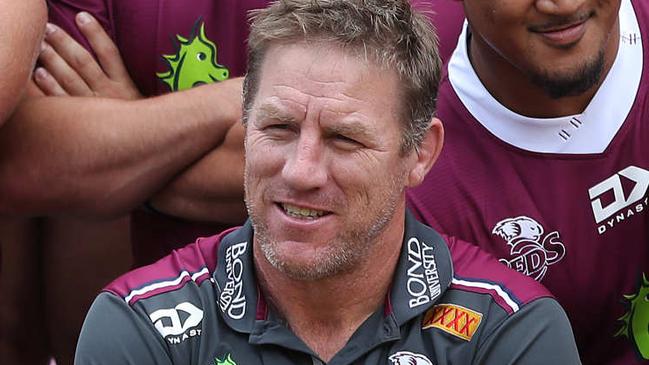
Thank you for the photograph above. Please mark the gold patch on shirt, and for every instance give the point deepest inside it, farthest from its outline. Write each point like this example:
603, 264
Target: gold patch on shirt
454, 319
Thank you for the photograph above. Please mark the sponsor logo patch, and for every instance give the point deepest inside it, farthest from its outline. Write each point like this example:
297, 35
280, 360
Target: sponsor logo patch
609, 213
454, 319
232, 299
170, 325
532, 252
423, 279
409, 358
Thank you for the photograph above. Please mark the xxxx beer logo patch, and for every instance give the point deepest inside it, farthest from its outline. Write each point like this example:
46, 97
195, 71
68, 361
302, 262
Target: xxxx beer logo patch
454, 319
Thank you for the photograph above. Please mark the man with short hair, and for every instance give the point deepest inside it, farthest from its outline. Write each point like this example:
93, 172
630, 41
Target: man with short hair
330, 268
545, 163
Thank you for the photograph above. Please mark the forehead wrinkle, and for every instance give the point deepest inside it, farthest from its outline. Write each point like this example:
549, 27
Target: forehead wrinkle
322, 90
316, 104
271, 111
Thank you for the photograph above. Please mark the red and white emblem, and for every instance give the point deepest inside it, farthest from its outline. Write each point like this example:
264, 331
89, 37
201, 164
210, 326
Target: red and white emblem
409, 358
532, 253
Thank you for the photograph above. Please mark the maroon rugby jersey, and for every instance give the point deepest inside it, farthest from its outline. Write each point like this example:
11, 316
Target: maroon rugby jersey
447, 17
563, 200
168, 46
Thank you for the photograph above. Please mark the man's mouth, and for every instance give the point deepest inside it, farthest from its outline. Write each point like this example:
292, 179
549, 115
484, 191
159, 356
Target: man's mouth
561, 24
564, 36
558, 28
302, 213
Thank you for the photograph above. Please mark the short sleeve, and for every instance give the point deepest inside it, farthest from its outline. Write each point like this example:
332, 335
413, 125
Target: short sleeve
114, 333
539, 333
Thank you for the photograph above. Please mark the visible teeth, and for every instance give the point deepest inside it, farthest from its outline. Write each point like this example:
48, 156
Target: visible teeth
303, 213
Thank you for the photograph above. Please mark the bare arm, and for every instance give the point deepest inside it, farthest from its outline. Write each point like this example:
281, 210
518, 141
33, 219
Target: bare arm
212, 189
21, 30
209, 190
104, 156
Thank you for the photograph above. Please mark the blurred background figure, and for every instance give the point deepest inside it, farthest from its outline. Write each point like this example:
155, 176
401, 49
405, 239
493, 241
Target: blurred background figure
86, 163
22, 25
144, 144
21, 31
545, 162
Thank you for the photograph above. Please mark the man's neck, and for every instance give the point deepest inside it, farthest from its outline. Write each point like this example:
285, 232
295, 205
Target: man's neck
325, 313
515, 90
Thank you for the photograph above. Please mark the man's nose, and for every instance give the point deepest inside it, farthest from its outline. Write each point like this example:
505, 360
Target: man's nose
306, 169
559, 7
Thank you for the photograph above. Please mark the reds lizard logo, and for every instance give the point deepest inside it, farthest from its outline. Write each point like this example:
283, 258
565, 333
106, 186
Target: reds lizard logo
532, 252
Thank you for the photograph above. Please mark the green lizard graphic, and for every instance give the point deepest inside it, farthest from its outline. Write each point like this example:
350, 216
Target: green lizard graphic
227, 361
194, 63
636, 320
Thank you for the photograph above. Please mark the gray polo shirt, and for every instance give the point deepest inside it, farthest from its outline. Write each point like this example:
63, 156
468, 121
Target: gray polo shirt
449, 303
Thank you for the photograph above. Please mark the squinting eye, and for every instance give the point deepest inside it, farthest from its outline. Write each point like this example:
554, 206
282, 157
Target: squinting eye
346, 142
340, 137
278, 130
278, 126
201, 56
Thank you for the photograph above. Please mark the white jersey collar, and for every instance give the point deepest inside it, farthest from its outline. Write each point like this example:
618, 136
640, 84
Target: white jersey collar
589, 132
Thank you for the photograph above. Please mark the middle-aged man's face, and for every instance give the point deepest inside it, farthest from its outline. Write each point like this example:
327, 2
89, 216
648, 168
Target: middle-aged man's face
324, 176
560, 44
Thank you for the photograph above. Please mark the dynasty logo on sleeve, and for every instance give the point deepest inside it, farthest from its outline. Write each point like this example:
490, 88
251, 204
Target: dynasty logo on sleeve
179, 323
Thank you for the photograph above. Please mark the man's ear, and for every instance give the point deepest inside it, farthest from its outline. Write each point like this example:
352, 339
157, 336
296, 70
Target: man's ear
427, 153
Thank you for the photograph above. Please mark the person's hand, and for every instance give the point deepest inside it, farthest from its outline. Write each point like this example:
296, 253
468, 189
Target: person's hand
69, 69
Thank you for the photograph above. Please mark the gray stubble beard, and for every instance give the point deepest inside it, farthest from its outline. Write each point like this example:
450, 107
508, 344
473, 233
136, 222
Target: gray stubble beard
348, 251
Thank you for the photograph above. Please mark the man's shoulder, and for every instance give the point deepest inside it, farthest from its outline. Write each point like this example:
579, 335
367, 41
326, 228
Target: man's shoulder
492, 308
478, 272
195, 262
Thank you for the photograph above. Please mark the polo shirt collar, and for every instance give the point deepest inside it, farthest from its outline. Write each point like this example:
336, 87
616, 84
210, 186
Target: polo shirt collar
422, 275
237, 291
